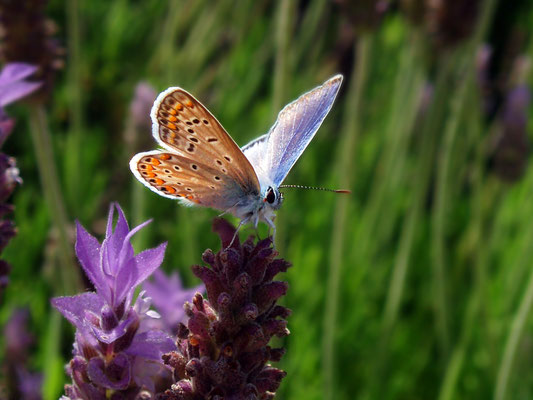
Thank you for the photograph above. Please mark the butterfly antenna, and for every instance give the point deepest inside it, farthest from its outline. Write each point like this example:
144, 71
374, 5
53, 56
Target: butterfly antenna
315, 188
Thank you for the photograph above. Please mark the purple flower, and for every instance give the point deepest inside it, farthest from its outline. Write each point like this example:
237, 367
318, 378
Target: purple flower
21, 383
168, 297
13, 83
13, 86
138, 121
223, 351
27, 35
110, 351
512, 147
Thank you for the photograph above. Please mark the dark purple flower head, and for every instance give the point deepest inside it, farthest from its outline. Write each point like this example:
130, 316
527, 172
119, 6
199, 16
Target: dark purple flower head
111, 352
168, 296
223, 350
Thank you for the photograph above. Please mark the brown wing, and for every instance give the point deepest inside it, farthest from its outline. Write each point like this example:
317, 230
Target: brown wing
177, 177
183, 125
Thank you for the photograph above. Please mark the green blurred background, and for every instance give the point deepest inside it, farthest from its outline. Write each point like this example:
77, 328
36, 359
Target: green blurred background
418, 285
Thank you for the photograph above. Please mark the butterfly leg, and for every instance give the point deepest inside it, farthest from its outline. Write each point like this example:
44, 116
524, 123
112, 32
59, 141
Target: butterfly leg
243, 221
256, 223
272, 226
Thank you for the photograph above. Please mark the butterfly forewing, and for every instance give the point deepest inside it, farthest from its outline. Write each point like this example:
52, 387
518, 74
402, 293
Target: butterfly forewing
178, 177
183, 125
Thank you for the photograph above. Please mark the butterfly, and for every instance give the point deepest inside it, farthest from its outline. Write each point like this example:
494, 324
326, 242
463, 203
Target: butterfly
200, 164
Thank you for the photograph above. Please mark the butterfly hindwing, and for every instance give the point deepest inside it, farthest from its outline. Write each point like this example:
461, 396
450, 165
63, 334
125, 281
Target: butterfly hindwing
190, 181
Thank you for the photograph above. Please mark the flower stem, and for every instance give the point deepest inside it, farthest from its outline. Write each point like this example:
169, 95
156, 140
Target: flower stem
513, 341
282, 55
73, 155
281, 73
346, 172
439, 214
68, 274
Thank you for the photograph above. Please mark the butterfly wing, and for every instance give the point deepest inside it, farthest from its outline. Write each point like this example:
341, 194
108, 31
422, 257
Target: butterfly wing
200, 155
255, 153
296, 125
192, 182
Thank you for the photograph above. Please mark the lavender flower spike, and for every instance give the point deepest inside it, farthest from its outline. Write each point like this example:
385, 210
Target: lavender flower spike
111, 353
223, 351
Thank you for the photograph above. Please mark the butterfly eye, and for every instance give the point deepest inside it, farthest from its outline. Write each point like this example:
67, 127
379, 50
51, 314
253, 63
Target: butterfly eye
271, 196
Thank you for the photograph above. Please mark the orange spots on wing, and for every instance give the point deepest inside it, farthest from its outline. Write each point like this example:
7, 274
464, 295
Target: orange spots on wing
172, 111
172, 118
170, 189
173, 135
148, 167
155, 161
171, 125
150, 175
179, 106
159, 181
189, 104
164, 157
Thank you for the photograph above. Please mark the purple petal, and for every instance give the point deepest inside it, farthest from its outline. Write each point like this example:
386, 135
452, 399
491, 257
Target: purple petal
127, 249
148, 261
147, 372
74, 308
16, 71
151, 345
11, 92
117, 332
12, 85
116, 375
121, 230
125, 282
88, 252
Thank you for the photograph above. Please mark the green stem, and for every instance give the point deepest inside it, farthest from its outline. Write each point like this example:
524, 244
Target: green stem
281, 77
346, 172
281, 68
439, 214
75, 102
52, 383
406, 102
513, 341
69, 280
481, 237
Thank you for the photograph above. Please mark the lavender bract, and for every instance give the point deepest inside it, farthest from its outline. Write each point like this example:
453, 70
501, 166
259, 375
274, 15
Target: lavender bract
112, 353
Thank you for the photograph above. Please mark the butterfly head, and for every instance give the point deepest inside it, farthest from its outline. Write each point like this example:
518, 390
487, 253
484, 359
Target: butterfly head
273, 198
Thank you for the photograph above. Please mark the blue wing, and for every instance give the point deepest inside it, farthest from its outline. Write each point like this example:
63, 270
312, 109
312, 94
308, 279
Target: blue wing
296, 125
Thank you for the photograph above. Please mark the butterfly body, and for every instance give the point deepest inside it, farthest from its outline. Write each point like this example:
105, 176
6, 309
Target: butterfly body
200, 164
